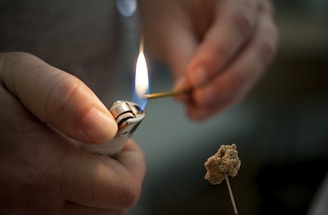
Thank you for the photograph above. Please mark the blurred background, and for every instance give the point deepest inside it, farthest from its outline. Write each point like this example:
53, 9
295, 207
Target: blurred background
281, 128
281, 131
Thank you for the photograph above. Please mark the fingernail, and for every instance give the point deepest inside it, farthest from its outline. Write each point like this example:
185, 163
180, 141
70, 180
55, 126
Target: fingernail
98, 126
182, 84
179, 84
199, 77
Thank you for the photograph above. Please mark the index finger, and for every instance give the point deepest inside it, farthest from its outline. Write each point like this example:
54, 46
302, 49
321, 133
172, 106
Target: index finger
234, 22
57, 98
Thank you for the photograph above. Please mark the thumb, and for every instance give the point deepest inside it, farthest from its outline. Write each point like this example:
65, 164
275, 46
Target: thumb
57, 98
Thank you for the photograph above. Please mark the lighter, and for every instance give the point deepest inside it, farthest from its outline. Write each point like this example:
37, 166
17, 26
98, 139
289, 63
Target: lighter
128, 116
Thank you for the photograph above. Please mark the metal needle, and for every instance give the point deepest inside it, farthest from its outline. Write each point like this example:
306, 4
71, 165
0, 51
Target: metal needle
231, 195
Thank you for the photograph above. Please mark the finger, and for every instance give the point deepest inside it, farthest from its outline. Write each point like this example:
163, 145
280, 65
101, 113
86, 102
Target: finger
237, 79
74, 209
133, 159
180, 49
57, 98
173, 30
232, 27
103, 182
55, 165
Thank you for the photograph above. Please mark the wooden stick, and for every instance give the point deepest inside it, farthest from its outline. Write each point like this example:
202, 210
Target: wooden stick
166, 94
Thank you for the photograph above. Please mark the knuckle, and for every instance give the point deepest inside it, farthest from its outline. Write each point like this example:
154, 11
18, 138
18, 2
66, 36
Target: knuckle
267, 6
223, 54
243, 22
244, 17
62, 88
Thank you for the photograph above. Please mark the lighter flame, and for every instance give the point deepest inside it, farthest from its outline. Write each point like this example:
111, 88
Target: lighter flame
141, 78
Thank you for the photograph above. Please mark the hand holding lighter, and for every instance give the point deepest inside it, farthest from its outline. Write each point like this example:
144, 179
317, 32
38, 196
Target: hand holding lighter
128, 116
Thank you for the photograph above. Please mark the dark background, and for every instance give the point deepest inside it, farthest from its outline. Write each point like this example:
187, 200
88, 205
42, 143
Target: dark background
280, 128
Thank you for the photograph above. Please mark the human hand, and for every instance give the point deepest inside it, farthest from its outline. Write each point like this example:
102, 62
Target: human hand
41, 170
218, 48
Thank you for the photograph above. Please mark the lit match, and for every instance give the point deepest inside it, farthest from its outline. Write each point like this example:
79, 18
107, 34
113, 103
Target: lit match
166, 94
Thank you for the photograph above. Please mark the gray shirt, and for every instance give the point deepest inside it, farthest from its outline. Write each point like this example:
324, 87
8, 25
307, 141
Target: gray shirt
83, 37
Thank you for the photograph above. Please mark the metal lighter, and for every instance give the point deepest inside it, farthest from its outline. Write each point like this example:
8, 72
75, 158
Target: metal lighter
128, 115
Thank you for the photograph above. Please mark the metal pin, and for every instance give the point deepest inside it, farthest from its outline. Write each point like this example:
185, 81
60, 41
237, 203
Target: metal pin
166, 94
231, 195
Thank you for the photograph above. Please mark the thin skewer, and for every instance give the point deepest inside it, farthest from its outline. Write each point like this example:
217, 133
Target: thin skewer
165, 94
231, 195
